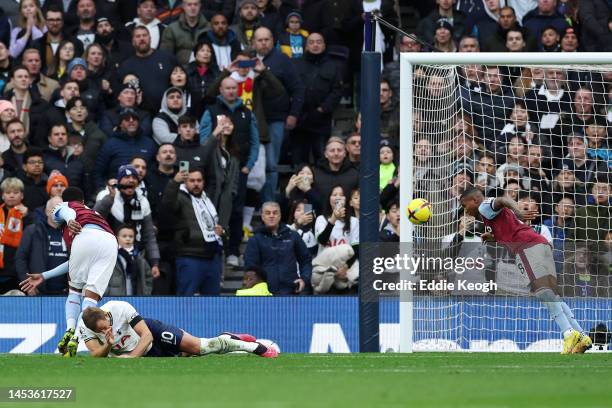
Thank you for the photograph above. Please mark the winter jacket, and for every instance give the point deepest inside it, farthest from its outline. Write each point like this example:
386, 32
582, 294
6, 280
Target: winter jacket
34, 194
594, 16
220, 184
325, 178
70, 165
279, 256
165, 123
323, 88
225, 50
119, 150
536, 23
426, 28
389, 120
240, 30
246, 134
188, 235
290, 103
489, 111
198, 86
592, 223
179, 39
192, 151
33, 252
117, 285
113, 210
265, 86
93, 139
109, 122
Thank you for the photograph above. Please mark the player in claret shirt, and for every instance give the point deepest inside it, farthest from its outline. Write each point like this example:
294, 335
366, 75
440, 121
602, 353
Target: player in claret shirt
503, 221
117, 330
93, 253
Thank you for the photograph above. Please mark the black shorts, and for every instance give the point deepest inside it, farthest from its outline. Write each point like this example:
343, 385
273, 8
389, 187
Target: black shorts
166, 339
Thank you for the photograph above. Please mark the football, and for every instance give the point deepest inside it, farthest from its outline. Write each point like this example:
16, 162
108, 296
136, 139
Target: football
419, 211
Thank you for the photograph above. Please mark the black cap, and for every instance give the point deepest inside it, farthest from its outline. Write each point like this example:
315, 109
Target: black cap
128, 112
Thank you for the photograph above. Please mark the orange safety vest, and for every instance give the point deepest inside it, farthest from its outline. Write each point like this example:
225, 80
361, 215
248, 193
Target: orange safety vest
11, 230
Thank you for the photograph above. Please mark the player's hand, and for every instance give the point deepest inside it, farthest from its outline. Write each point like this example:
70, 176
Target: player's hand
181, 176
529, 215
155, 271
487, 237
74, 227
109, 337
300, 285
31, 282
32, 292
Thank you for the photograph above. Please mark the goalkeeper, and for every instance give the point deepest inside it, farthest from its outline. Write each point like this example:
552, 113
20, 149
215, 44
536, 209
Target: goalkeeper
503, 223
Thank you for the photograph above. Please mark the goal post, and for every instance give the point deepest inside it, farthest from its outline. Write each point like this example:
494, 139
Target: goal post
445, 105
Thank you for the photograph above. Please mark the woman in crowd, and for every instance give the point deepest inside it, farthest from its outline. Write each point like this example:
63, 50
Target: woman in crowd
65, 53
300, 187
201, 73
301, 220
31, 27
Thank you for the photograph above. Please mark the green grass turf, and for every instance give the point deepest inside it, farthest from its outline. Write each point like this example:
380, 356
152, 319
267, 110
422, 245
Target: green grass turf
292, 380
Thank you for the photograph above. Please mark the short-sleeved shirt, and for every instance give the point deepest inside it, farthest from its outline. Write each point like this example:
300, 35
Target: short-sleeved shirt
507, 229
123, 318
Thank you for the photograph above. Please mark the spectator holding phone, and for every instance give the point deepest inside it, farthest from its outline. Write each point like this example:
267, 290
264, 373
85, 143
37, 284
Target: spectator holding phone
301, 220
301, 188
245, 135
338, 236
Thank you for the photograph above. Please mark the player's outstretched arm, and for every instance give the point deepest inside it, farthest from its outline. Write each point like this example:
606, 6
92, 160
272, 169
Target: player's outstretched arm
513, 206
146, 338
35, 279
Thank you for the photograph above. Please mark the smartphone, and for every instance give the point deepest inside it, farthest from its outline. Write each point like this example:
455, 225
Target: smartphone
307, 208
220, 118
183, 165
339, 204
246, 63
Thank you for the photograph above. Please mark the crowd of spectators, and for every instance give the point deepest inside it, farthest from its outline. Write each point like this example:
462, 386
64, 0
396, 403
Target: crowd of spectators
174, 118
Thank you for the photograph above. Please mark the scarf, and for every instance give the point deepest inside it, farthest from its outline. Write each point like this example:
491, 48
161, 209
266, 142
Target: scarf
132, 211
11, 227
206, 215
245, 87
129, 256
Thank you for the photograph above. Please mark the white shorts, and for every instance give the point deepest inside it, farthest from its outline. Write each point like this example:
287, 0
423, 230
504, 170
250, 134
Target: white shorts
92, 260
536, 262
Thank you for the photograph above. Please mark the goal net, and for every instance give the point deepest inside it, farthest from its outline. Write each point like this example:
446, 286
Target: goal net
532, 127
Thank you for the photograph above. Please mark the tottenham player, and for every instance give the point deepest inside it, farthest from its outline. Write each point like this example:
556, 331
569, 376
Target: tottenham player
117, 330
93, 252
503, 220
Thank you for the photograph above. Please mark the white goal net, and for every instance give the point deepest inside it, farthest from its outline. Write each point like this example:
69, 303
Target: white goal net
525, 126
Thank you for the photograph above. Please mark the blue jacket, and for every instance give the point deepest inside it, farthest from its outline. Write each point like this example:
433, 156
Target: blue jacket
118, 150
290, 103
206, 129
278, 255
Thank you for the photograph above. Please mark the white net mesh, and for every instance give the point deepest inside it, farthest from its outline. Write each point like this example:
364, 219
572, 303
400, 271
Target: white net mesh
540, 136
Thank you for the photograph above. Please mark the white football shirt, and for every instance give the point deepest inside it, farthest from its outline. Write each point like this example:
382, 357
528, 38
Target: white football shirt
122, 315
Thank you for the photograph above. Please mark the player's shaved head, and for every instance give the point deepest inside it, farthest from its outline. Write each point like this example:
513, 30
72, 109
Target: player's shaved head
471, 192
91, 317
73, 194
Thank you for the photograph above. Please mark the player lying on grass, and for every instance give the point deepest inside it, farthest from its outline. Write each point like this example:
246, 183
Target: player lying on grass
116, 329
503, 223
93, 253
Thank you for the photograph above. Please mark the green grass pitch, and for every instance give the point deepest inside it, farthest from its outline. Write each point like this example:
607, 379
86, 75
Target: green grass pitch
340, 380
